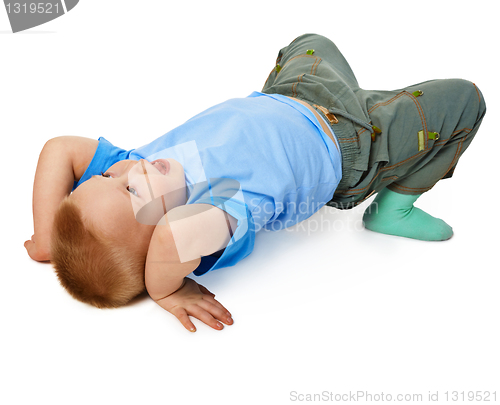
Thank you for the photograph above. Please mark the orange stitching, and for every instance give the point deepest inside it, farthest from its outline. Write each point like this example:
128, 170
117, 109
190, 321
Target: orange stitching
386, 102
477, 91
404, 188
360, 190
381, 171
303, 56
315, 66
417, 105
457, 154
464, 130
299, 78
294, 85
422, 116
403, 161
387, 168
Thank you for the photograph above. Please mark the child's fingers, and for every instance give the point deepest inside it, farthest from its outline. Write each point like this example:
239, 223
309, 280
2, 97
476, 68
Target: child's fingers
200, 313
217, 312
217, 304
182, 316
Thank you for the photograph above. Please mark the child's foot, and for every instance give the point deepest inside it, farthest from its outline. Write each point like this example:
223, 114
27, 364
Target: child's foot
392, 213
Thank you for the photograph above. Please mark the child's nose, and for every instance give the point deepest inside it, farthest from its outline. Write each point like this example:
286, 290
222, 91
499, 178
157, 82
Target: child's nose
147, 178
135, 171
137, 167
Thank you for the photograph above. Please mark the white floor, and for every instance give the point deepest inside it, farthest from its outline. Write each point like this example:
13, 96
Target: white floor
325, 311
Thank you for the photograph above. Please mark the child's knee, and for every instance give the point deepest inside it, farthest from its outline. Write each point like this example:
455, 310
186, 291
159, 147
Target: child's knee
482, 103
465, 100
474, 98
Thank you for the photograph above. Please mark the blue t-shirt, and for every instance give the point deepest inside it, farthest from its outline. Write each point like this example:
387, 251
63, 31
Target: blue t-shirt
263, 159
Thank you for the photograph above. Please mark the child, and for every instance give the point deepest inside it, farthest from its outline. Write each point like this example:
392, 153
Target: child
193, 200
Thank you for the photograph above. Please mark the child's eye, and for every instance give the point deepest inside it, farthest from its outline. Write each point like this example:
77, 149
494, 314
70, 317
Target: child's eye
132, 191
105, 175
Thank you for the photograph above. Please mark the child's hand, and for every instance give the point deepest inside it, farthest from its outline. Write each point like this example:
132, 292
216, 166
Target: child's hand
195, 300
35, 251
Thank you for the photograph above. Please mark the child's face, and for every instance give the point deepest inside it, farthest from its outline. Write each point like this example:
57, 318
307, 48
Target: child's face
132, 196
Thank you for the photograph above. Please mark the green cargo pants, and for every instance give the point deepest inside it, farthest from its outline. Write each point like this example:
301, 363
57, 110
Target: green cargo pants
406, 139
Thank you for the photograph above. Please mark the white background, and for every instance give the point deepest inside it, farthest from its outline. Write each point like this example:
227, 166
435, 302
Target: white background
325, 307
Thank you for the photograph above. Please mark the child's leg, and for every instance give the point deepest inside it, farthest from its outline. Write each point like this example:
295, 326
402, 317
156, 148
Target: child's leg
406, 157
456, 114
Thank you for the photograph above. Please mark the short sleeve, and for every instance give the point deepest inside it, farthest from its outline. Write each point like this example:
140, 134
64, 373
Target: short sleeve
105, 156
226, 194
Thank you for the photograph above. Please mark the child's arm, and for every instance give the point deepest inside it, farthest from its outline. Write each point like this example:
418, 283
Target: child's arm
184, 235
62, 161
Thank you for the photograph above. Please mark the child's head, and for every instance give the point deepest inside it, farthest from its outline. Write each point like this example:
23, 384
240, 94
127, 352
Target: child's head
101, 232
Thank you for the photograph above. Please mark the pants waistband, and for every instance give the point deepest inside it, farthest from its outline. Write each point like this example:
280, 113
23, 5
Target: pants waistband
344, 140
326, 128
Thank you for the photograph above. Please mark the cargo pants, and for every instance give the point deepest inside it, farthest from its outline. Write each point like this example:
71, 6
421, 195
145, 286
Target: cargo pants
406, 139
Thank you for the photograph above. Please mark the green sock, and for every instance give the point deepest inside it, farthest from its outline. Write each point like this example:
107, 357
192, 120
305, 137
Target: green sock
392, 213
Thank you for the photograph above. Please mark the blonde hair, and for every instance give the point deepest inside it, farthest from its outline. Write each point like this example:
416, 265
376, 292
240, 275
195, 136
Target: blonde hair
89, 265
